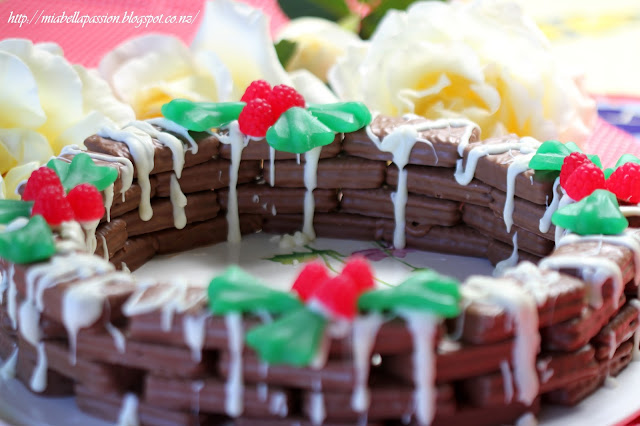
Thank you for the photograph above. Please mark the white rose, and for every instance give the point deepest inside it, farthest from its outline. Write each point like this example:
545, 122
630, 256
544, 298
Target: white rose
484, 61
45, 104
319, 43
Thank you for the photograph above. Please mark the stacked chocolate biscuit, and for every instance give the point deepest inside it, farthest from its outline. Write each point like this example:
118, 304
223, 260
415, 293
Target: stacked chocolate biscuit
547, 333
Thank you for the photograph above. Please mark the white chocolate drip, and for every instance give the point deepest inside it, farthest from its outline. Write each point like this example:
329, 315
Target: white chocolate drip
541, 284
519, 165
119, 341
521, 307
564, 201
168, 298
8, 368
545, 221
178, 202
310, 183
272, 165
594, 271
636, 335
509, 262
91, 242
38, 382
423, 328
278, 404
108, 200
365, 330
234, 388
72, 238
317, 409
193, 330
166, 139
507, 381
12, 297
129, 411
105, 248
142, 151
171, 126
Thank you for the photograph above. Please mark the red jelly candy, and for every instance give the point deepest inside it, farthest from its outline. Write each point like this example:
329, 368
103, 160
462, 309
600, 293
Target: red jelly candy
359, 270
310, 278
338, 297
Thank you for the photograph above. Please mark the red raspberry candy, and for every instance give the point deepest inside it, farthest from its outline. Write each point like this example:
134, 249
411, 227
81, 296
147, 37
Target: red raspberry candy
358, 269
283, 97
570, 164
256, 118
52, 204
338, 297
39, 179
258, 89
310, 278
584, 180
86, 203
625, 182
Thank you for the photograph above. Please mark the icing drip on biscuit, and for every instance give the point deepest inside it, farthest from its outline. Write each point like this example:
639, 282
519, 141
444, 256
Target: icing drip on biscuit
105, 248
108, 200
234, 388
509, 262
594, 271
272, 165
72, 238
318, 411
193, 330
565, 200
541, 284
636, 334
179, 202
522, 309
310, 182
12, 297
545, 221
142, 151
166, 139
171, 126
91, 243
8, 368
519, 165
365, 330
128, 415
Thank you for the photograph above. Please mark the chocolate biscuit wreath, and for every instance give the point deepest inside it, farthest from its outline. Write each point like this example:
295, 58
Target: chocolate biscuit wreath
334, 350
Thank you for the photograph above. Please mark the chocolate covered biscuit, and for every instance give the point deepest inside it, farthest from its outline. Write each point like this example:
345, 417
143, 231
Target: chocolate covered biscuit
271, 201
259, 150
110, 237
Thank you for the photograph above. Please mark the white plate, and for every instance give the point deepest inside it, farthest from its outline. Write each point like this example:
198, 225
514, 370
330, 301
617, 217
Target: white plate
256, 255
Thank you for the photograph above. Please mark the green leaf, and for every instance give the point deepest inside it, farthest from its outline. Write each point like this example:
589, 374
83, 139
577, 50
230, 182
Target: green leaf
298, 131
31, 243
342, 117
293, 258
237, 291
608, 172
293, 339
550, 155
371, 21
425, 290
332, 10
627, 158
202, 116
285, 50
82, 169
599, 213
595, 160
13, 209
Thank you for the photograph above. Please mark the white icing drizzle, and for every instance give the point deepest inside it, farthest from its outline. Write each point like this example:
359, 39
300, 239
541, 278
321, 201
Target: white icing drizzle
234, 387
316, 401
564, 201
464, 174
72, 238
126, 172
507, 381
423, 328
177, 129
236, 139
272, 164
278, 404
636, 335
527, 419
178, 202
8, 368
365, 330
142, 151
119, 340
519, 165
108, 200
628, 239
4, 285
630, 211
310, 183
129, 411
521, 307
38, 382
166, 139
91, 243
196, 388
594, 271
168, 298
193, 330
545, 221
509, 262
542, 285
105, 248
12, 297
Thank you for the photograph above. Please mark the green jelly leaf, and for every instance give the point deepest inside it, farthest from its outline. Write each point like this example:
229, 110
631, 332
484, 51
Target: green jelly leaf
238, 291
424, 290
31, 243
599, 213
298, 131
627, 158
285, 50
550, 155
13, 209
342, 117
202, 116
293, 339
608, 172
595, 160
573, 147
82, 169
327, 9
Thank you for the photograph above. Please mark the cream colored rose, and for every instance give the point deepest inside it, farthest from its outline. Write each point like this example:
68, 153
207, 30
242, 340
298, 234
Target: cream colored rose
231, 49
484, 61
319, 43
45, 104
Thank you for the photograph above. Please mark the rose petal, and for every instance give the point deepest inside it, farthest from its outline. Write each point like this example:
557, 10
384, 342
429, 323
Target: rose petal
15, 177
25, 146
19, 102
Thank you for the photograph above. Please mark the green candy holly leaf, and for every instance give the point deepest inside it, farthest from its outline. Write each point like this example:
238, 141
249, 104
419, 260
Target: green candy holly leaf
298, 131
82, 169
550, 155
599, 213
238, 291
31, 243
293, 339
627, 158
424, 291
13, 209
608, 172
202, 116
342, 117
